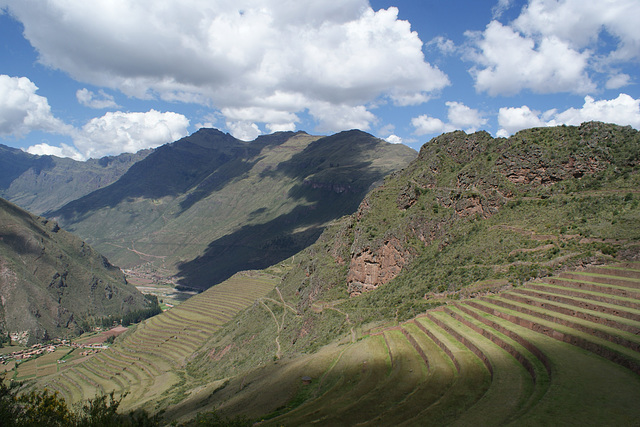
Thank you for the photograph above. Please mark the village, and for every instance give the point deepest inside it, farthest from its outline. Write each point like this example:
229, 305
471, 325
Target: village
39, 349
89, 346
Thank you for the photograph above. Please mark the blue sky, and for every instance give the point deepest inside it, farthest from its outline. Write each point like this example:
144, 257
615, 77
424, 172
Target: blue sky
87, 79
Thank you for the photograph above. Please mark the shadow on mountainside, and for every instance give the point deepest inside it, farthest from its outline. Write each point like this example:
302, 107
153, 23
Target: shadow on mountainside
334, 175
171, 170
14, 162
259, 246
199, 165
340, 159
237, 164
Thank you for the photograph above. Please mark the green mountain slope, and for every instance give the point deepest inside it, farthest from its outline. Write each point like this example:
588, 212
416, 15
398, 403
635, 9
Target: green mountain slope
42, 183
470, 216
209, 205
51, 282
491, 282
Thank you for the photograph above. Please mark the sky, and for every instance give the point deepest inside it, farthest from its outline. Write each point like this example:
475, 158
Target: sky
86, 79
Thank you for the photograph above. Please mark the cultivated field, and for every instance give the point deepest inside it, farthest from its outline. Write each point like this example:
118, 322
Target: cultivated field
562, 351
146, 362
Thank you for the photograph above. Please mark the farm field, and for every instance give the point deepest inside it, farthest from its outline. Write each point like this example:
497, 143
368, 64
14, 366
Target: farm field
559, 351
146, 362
43, 365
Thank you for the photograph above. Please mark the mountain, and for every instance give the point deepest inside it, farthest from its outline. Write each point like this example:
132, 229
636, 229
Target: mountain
492, 281
42, 183
52, 284
209, 205
471, 216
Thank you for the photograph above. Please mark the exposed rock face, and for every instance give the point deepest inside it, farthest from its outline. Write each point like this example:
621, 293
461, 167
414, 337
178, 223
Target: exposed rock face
370, 269
533, 169
463, 178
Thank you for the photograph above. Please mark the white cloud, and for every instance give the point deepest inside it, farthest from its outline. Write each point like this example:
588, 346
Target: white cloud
513, 119
281, 127
243, 130
556, 46
64, 150
276, 120
500, 8
443, 44
236, 55
581, 22
426, 125
23, 111
618, 80
209, 120
393, 139
623, 110
386, 130
509, 62
91, 100
459, 117
334, 118
118, 132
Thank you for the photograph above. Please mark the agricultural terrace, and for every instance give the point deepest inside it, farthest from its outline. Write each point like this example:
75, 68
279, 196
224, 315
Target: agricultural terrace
146, 362
560, 351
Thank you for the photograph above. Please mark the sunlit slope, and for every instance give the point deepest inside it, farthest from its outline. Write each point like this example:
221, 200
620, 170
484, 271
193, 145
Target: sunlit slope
148, 361
563, 351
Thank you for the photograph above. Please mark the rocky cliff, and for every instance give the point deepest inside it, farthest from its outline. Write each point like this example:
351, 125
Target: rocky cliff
459, 178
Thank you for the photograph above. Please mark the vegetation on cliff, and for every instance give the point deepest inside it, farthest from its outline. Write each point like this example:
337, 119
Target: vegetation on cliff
471, 214
52, 283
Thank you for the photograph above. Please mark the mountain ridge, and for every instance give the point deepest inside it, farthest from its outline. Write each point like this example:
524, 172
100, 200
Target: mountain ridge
208, 205
53, 285
41, 183
512, 294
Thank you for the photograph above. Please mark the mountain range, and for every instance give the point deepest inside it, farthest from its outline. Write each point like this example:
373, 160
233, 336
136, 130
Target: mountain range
43, 183
487, 280
200, 209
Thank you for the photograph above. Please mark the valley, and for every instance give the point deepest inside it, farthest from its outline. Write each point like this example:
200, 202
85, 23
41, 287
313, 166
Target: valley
489, 281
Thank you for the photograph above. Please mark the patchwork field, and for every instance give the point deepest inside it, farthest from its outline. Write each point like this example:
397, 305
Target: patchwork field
146, 362
561, 351
40, 366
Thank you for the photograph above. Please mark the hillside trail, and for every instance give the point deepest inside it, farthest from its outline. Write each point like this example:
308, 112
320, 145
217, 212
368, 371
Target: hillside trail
279, 324
332, 306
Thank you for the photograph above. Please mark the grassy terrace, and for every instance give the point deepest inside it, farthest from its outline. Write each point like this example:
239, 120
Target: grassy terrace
540, 354
146, 362
565, 350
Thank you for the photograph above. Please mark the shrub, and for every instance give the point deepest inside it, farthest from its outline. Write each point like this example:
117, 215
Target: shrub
38, 408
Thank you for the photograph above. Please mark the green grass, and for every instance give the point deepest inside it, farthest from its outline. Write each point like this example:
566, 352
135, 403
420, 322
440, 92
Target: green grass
551, 380
145, 362
575, 369
510, 385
